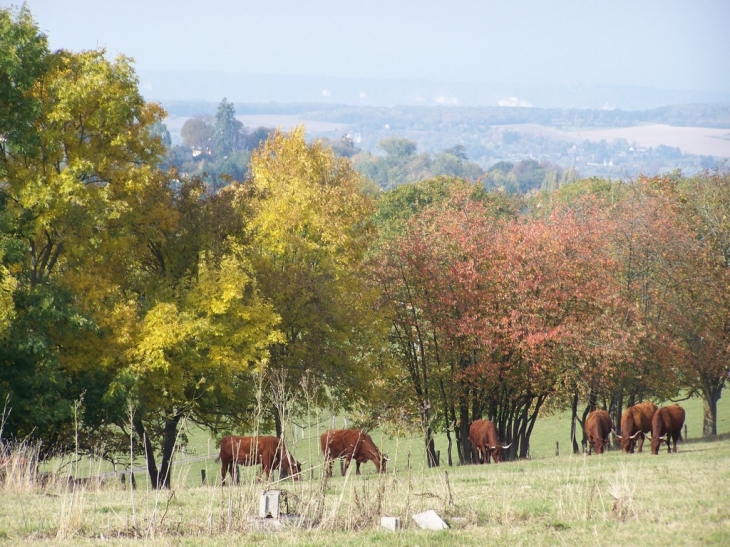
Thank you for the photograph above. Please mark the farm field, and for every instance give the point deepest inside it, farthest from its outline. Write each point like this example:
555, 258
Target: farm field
548, 500
692, 140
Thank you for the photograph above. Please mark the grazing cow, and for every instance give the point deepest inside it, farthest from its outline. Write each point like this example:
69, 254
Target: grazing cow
635, 422
484, 440
349, 444
666, 424
268, 451
597, 427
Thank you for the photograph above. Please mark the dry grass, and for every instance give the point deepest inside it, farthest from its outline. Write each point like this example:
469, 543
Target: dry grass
615, 498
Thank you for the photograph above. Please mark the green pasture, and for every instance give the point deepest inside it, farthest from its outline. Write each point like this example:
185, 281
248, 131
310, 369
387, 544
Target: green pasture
409, 451
614, 499
404, 451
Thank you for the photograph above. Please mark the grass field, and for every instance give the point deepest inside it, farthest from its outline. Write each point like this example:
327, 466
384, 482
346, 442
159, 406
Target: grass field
614, 499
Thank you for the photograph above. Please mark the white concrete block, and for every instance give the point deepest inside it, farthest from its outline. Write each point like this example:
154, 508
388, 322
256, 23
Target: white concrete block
390, 523
269, 504
429, 520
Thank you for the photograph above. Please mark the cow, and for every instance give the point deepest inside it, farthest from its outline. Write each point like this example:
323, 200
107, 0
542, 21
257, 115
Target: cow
666, 424
268, 451
484, 440
349, 444
635, 422
597, 428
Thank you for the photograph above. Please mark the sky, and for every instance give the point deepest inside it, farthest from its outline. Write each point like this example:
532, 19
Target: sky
666, 44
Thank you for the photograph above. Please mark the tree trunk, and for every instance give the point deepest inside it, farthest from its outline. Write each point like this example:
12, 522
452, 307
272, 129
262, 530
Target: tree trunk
168, 449
709, 401
428, 434
448, 437
277, 422
159, 478
466, 453
573, 419
148, 451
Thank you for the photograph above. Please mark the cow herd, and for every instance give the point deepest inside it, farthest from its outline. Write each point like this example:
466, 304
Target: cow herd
638, 421
271, 453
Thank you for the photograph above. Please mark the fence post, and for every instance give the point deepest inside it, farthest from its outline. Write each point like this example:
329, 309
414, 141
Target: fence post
202, 476
557, 448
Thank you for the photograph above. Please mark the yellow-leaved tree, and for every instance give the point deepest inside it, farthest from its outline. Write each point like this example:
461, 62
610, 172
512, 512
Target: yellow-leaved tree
188, 325
73, 162
310, 229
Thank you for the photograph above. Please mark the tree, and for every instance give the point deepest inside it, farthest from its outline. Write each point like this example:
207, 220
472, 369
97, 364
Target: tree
702, 297
23, 61
396, 148
183, 324
311, 230
412, 264
197, 134
91, 155
227, 131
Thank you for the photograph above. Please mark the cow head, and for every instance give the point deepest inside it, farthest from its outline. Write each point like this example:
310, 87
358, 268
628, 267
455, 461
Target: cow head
291, 467
383, 460
656, 443
599, 444
627, 442
496, 451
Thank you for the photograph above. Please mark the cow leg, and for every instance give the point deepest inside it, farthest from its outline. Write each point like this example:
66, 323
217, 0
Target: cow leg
224, 470
357, 467
347, 465
641, 442
487, 455
675, 438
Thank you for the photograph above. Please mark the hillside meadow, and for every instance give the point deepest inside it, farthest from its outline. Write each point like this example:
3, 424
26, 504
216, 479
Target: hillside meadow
547, 500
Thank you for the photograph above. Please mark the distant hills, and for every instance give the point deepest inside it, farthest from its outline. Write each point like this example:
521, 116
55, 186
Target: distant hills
195, 85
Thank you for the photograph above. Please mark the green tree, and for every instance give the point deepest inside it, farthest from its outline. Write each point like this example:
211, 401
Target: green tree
91, 157
701, 296
23, 61
227, 131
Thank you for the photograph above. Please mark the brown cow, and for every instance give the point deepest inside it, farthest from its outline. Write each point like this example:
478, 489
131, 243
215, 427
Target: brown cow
597, 427
268, 451
666, 424
635, 422
349, 444
484, 440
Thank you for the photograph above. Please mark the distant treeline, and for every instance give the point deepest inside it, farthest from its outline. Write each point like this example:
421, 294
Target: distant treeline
422, 117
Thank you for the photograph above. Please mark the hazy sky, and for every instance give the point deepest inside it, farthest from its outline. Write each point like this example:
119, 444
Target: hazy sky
675, 44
